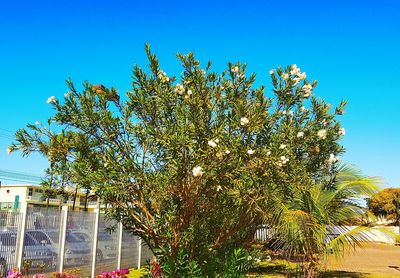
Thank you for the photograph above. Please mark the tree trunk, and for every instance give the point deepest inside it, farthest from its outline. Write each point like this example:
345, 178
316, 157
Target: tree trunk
76, 193
86, 199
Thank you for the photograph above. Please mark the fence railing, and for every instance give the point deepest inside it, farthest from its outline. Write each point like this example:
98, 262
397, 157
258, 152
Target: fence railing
45, 240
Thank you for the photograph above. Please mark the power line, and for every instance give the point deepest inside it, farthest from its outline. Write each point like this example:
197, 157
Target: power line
19, 176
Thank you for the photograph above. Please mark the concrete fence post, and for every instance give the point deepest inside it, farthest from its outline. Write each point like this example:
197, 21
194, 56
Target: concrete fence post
139, 252
62, 239
21, 236
121, 229
95, 238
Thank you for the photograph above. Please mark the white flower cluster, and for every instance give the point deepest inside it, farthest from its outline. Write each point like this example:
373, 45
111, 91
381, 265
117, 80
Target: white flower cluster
295, 71
332, 159
51, 99
179, 89
322, 133
282, 146
244, 121
163, 76
342, 131
212, 143
307, 88
283, 161
300, 134
250, 152
197, 171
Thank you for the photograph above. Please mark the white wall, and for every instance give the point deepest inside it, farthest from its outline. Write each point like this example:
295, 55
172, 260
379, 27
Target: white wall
22, 191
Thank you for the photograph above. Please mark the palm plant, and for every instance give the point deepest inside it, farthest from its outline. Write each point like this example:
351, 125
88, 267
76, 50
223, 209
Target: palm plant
305, 220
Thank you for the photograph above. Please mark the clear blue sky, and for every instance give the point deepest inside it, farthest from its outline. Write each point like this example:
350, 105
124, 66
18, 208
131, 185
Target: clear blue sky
351, 47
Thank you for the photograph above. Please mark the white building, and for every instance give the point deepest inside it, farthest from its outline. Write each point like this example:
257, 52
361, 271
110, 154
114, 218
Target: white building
11, 197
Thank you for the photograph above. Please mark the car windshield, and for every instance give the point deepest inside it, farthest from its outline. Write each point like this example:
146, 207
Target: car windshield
29, 241
8, 239
54, 236
71, 238
39, 236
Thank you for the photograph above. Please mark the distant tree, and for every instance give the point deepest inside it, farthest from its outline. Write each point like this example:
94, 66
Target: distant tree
386, 203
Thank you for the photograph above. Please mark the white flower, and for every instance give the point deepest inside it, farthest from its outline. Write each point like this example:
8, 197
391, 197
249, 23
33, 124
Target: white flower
250, 152
211, 143
9, 150
332, 159
322, 134
179, 89
51, 99
300, 134
249, 258
271, 72
307, 88
268, 153
235, 69
302, 76
189, 92
296, 81
286, 76
244, 121
197, 171
217, 140
219, 188
284, 159
295, 71
342, 131
163, 76
282, 146
227, 152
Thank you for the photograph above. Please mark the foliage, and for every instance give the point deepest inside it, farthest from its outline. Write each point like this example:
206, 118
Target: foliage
386, 203
192, 167
307, 223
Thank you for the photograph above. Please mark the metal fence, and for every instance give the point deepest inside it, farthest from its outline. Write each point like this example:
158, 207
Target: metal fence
46, 240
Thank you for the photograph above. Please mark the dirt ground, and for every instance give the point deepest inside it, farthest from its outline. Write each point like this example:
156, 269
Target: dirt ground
373, 259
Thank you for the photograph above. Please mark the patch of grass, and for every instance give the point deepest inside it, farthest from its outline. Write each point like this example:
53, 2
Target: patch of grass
275, 268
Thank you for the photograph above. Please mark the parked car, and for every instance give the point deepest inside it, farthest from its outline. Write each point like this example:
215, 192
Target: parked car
33, 251
76, 251
106, 244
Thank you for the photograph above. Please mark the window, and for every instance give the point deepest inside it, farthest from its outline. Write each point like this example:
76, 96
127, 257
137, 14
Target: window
39, 190
30, 191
